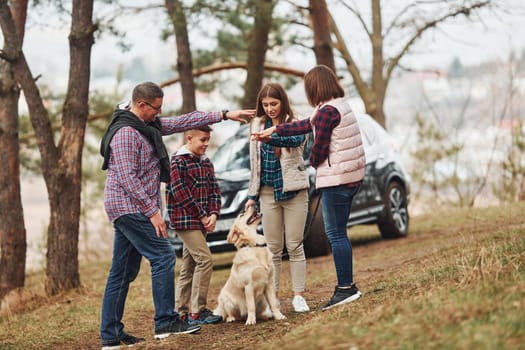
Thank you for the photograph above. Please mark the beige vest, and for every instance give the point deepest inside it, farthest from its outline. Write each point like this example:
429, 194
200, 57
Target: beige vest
346, 159
295, 175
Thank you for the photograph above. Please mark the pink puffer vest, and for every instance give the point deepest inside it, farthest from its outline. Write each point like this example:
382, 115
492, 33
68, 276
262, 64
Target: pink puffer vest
346, 160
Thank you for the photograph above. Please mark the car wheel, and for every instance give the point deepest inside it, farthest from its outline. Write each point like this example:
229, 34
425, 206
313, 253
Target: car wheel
395, 222
315, 240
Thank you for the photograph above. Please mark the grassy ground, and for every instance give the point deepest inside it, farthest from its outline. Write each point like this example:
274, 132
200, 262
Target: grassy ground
456, 282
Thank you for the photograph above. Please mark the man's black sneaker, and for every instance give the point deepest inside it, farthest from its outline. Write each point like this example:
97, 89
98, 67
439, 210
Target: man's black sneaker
126, 339
206, 316
342, 296
176, 327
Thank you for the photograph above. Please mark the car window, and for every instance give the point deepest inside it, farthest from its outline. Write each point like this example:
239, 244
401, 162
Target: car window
308, 146
234, 154
369, 130
376, 140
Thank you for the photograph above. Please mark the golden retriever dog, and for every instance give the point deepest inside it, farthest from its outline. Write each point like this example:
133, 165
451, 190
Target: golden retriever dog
249, 292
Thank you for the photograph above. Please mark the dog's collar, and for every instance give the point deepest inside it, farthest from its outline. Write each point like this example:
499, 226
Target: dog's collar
258, 245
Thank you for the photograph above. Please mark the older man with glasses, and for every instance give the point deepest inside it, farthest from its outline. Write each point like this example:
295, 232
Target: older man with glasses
137, 161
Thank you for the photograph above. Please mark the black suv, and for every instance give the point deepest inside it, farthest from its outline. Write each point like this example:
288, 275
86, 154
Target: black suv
382, 200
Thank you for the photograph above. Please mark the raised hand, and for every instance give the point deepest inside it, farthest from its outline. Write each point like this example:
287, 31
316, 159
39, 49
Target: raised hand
264, 135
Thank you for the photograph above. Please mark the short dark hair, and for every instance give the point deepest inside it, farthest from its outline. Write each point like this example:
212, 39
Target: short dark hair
147, 91
321, 85
204, 128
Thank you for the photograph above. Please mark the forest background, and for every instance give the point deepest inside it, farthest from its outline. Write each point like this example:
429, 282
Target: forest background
448, 85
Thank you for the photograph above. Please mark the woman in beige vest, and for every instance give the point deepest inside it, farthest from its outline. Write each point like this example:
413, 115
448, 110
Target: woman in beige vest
339, 159
279, 181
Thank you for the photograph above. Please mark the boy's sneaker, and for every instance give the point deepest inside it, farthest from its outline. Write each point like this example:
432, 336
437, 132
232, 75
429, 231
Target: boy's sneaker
206, 316
299, 304
176, 327
342, 296
126, 339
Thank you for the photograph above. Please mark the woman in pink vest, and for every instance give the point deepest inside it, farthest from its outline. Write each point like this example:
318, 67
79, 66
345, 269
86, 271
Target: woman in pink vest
339, 158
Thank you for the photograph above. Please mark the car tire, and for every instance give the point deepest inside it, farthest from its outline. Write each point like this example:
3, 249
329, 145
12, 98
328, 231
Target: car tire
315, 240
394, 224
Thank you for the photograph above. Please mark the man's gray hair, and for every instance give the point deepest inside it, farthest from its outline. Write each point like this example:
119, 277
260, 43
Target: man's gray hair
147, 91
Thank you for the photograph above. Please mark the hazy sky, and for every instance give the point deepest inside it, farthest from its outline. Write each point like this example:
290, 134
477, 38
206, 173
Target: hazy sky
46, 45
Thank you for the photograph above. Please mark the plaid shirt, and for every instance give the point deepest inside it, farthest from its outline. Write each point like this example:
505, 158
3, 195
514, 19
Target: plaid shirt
271, 173
326, 119
193, 191
133, 175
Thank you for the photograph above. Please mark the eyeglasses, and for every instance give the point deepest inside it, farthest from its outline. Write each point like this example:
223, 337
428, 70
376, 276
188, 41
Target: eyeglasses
158, 109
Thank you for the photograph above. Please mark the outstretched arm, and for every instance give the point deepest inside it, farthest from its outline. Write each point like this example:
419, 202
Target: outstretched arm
195, 119
242, 115
263, 136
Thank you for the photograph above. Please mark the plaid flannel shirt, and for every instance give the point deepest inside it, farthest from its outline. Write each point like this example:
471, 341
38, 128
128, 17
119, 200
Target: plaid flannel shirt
133, 175
271, 173
326, 119
193, 191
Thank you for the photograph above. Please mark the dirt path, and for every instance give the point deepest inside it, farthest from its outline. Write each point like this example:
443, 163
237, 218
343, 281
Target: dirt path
374, 261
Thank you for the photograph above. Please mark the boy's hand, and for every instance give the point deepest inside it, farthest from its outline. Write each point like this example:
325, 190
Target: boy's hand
204, 221
212, 222
209, 222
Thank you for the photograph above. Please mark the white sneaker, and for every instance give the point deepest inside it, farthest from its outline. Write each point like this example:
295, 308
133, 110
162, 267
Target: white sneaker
299, 304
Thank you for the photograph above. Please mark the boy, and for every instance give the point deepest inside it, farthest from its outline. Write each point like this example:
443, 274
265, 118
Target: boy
194, 201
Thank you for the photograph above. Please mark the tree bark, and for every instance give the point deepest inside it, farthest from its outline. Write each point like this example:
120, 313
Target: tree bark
13, 246
61, 164
257, 52
184, 58
12, 229
320, 23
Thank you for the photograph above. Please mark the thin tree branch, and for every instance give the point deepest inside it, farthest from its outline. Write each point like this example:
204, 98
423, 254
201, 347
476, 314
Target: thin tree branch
431, 24
394, 23
235, 65
358, 15
340, 45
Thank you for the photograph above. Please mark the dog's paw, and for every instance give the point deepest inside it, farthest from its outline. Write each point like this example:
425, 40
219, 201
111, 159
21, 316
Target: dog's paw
250, 320
230, 319
279, 316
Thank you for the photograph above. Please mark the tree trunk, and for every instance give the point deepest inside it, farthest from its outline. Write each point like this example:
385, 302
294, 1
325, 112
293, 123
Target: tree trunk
12, 229
257, 52
64, 179
62, 242
13, 246
61, 165
184, 60
320, 23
